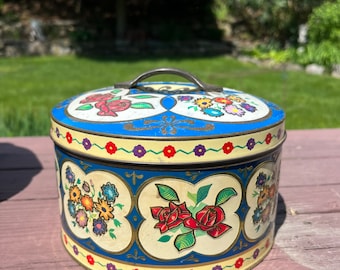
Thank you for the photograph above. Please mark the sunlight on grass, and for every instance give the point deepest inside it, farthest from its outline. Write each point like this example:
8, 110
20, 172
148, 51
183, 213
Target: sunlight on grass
30, 87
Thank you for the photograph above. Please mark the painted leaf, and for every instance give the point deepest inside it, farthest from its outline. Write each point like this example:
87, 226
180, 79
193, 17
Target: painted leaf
115, 98
224, 195
185, 240
112, 235
202, 193
167, 192
192, 197
143, 96
85, 107
142, 105
119, 205
116, 91
78, 181
117, 223
164, 238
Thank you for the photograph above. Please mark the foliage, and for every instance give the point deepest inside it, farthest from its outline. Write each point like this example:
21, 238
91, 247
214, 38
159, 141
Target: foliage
30, 87
323, 45
273, 20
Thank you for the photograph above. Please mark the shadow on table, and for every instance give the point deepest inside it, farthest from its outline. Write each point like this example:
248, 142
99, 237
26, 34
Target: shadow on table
18, 166
281, 213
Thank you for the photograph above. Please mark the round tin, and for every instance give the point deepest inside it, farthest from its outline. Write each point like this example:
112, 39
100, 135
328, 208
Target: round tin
164, 175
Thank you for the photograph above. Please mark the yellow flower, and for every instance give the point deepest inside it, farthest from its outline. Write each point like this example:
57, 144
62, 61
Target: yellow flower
87, 202
104, 209
236, 99
203, 102
75, 193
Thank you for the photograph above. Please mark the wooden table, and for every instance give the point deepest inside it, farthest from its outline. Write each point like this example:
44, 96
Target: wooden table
308, 219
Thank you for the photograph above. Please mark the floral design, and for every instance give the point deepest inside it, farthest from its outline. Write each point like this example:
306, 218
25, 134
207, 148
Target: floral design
110, 266
110, 104
265, 193
228, 148
139, 151
194, 221
86, 143
268, 138
90, 259
199, 150
69, 137
251, 144
169, 151
239, 263
248, 107
87, 209
234, 110
111, 148
203, 102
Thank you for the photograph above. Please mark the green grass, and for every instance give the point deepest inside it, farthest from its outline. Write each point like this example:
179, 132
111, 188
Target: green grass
30, 87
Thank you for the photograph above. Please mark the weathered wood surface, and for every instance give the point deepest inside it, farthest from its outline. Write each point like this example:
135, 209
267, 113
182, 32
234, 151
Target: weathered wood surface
308, 221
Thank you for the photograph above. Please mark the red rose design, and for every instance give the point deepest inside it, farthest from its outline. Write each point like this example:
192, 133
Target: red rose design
228, 148
170, 217
209, 219
97, 97
110, 108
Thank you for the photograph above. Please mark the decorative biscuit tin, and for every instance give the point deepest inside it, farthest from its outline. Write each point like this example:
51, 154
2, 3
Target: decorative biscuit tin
167, 175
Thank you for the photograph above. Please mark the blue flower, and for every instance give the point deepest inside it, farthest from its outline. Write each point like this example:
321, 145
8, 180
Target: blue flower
110, 191
70, 175
212, 112
71, 208
248, 107
99, 226
257, 215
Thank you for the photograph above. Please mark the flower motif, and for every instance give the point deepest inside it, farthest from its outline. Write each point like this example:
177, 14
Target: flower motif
111, 148
267, 243
261, 179
248, 107
86, 186
97, 97
184, 98
65, 239
272, 191
110, 191
223, 100
90, 259
212, 112
217, 267
203, 102
170, 217
99, 226
234, 110
104, 209
169, 151
75, 250
139, 151
264, 195
228, 148
268, 138
87, 202
110, 108
69, 137
279, 133
57, 132
69, 175
257, 215
199, 150
86, 143
71, 208
75, 194
266, 212
81, 218
236, 98
250, 144
208, 219
256, 253
239, 263
110, 266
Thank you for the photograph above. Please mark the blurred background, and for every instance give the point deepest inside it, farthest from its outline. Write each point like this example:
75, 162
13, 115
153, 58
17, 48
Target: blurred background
286, 51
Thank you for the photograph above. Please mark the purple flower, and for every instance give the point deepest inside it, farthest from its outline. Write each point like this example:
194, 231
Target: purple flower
70, 175
185, 98
139, 151
99, 226
234, 110
81, 218
248, 107
75, 250
250, 143
261, 179
110, 266
217, 267
279, 134
86, 186
256, 253
87, 144
57, 132
199, 150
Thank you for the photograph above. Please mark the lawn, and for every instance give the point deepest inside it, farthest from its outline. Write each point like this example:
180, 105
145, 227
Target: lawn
30, 87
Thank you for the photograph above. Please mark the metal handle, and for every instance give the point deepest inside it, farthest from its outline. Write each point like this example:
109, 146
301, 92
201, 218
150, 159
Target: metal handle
174, 71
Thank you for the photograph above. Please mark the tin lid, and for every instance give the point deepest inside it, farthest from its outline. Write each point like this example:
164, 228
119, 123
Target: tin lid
167, 122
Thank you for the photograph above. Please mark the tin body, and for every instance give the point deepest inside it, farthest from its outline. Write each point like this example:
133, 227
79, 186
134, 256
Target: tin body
183, 178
